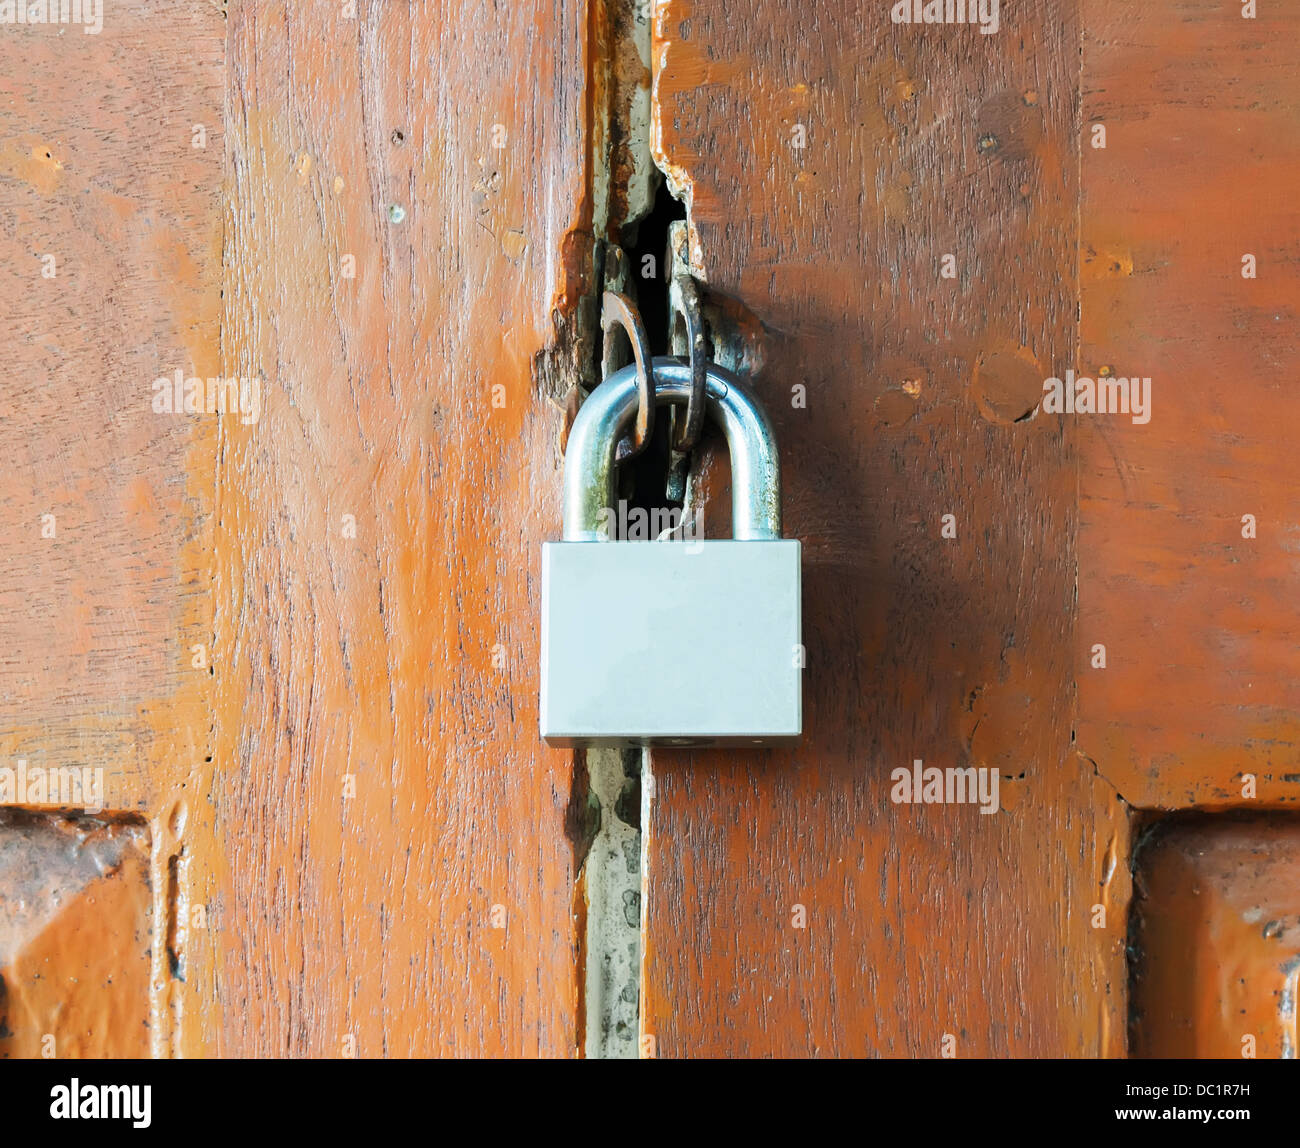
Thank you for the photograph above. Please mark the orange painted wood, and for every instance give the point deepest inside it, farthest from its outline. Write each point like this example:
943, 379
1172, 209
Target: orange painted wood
96, 620
1217, 936
922, 921
76, 934
101, 603
337, 832
358, 845
394, 876
1200, 625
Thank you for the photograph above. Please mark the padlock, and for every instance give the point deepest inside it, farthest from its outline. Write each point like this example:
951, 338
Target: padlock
685, 641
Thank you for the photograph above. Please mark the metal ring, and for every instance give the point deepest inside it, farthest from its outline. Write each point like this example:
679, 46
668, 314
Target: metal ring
617, 310
590, 466
684, 304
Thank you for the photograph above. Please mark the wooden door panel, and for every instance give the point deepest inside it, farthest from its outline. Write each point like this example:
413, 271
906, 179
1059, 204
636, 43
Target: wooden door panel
921, 920
921, 402
395, 877
1199, 624
1217, 924
110, 270
76, 937
356, 843
298, 640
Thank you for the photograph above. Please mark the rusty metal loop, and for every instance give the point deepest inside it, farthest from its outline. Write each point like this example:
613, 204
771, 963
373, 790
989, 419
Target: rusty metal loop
684, 309
618, 311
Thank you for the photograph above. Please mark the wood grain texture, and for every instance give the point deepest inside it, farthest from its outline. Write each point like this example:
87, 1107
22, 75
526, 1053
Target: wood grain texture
393, 872
1200, 624
100, 605
96, 620
1217, 922
430, 913
922, 920
344, 836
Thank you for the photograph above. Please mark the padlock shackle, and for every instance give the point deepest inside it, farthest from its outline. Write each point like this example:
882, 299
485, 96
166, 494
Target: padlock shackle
606, 414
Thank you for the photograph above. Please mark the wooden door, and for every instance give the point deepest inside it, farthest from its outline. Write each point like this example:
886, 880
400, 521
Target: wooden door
270, 778
1096, 607
299, 641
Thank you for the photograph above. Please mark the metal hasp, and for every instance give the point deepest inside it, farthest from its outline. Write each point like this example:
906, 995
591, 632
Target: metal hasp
688, 641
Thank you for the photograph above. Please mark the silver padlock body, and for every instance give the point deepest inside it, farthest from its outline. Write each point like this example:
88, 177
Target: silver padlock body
671, 643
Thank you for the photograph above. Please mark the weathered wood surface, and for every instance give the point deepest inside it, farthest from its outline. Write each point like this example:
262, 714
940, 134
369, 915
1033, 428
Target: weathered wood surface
379, 531
76, 938
921, 920
356, 843
1217, 920
968, 651
1201, 625
100, 605
348, 796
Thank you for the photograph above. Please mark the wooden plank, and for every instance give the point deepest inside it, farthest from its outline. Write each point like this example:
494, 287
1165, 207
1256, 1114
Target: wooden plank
1216, 939
923, 922
393, 875
110, 268
1199, 623
431, 912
